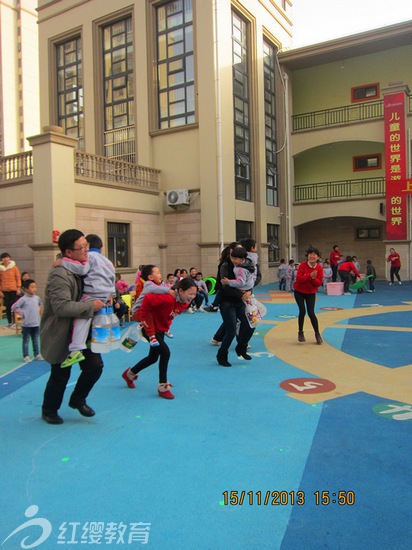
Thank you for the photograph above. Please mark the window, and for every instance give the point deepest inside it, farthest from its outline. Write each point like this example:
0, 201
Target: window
269, 64
273, 240
364, 93
175, 64
70, 89
118, 238
367, 162
368, 233
241, 118
118, 80
243, 230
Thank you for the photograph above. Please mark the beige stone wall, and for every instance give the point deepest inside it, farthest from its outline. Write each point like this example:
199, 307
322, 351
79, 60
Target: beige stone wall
324, 234
17, 233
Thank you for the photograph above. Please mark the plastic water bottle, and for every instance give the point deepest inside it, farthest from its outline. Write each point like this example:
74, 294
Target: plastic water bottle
131, 338
101, 325
114, 333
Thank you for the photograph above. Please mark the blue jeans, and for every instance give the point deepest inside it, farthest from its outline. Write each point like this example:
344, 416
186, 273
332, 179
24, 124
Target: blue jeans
33, 334
231, 312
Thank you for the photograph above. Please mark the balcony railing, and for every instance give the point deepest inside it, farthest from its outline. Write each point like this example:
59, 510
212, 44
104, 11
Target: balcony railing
115, 171
347, 114
16, 167
340, 190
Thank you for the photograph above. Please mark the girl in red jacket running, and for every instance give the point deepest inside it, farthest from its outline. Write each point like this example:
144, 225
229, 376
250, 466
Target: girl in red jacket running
163, 308
308, 279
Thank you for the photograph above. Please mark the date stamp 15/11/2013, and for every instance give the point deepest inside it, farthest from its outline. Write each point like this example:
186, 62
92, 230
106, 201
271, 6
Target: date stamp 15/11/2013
287, 498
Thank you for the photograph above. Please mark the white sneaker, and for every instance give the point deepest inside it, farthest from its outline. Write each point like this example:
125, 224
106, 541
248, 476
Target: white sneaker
215, 342
390, 284
190, 310
400, 282
39, 357
27, 359
346, 294
203, 311
169, 334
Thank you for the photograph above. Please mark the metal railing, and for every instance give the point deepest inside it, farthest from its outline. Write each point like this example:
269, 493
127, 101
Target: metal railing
96, 167
338, 115
15, 167
340, 190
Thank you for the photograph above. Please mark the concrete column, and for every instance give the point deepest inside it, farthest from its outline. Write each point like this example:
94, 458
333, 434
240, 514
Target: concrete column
54, 205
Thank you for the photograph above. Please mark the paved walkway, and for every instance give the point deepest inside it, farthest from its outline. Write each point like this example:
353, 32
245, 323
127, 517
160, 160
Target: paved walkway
305, 446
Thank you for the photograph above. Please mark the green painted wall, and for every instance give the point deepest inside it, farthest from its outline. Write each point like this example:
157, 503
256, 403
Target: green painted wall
329, 85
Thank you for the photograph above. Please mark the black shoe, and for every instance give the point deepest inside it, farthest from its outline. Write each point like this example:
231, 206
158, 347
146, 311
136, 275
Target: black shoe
318, 338
52, 418
222, 360
211, 309
244, 355
301, 337
83, 409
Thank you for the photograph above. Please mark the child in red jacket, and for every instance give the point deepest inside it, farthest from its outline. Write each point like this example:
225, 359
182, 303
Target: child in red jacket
308, 279
162, 308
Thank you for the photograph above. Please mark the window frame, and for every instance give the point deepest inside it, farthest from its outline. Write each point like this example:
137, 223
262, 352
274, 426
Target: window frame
245, 232
271, 167
366, 97
366, 233
190, 116
113, 251
356, 159
242, 107
56, 93
273, 237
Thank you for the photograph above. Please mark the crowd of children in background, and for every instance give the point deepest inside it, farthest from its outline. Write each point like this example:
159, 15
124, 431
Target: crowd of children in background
287, 272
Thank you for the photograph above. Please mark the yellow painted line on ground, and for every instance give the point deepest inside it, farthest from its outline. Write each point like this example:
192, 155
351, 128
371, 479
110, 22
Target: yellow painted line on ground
350, 374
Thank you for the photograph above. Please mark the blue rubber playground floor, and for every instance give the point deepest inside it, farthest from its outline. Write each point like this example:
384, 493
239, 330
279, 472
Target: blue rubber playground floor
305, 446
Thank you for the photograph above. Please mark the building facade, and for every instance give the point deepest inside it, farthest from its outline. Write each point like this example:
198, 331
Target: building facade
339, 165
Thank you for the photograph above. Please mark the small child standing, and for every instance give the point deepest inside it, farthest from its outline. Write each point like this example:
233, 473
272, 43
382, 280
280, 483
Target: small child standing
29, 307
327, 274
370, 270
282, 274
290, 275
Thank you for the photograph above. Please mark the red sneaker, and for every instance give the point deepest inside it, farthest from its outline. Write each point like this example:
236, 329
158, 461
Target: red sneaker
129, 377
164, 390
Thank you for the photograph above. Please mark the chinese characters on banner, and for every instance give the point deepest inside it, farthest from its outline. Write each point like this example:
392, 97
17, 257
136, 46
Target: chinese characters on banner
395, 163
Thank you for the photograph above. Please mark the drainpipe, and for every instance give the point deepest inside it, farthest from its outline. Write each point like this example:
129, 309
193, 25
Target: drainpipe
288, 169
218, 130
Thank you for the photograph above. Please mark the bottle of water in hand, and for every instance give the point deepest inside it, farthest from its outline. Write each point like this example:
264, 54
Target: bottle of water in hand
114, 334
101, 326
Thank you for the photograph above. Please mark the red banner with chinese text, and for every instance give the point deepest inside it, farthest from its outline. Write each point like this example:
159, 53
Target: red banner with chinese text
395, 167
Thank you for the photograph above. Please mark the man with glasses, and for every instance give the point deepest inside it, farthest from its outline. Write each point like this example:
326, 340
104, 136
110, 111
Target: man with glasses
61, 306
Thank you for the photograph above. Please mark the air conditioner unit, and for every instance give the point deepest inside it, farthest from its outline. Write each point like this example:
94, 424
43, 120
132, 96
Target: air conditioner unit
177, 197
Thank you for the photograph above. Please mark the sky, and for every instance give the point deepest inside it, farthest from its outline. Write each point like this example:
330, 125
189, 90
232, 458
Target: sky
320, 20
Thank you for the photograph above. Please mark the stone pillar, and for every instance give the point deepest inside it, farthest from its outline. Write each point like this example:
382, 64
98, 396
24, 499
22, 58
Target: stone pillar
54, 205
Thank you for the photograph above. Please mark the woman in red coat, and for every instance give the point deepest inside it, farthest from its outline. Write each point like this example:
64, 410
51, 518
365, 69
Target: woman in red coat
163, 309
395, 260
308, 279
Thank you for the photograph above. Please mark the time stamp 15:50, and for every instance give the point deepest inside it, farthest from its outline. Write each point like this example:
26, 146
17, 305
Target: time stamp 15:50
287, 498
